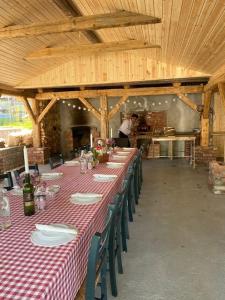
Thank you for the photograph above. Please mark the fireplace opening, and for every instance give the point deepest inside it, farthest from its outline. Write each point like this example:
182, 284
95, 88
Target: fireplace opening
81, 136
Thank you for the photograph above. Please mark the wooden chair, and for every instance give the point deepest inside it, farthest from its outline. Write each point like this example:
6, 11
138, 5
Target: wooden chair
9, 180
21, 170
114, 247
56, 161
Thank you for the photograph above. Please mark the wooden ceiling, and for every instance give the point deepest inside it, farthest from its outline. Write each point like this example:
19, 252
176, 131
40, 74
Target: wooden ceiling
191, 34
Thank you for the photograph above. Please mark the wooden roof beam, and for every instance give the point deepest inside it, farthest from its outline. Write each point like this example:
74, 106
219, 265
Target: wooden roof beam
91, 107
221, 87
187, 101
146, 91
46, 109
89, 49
116, 108
93, 22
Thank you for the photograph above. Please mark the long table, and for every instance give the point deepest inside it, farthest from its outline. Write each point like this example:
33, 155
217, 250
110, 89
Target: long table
33, 272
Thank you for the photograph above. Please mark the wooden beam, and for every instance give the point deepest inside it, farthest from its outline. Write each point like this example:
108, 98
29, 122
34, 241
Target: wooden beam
36, 126
91, 107
206, 102
217, 77
187, 101
104, 117
147, 91
89, 49
221, 87
28, 109
116, 108
46, 109
93, 22
70, 9
204, 132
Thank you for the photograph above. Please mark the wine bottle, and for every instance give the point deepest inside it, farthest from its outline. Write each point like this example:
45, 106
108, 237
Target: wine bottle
28, 196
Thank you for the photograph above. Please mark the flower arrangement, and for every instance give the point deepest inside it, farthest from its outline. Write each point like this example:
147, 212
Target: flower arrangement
100, 151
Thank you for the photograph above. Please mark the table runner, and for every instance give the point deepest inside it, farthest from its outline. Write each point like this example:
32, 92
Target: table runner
33, 272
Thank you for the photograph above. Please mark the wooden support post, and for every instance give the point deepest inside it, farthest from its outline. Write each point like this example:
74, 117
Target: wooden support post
204, 132
47, 108
89, 106
205, 119
117, 106
104, 117
36, 126
221, 87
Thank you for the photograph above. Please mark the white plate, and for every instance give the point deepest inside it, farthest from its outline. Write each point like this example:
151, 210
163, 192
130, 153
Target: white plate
85, 198
119, 157
72, 163
51, 239
53, 188
128, 149
114, 165
17, 192
104, 177
125, 153
51, 176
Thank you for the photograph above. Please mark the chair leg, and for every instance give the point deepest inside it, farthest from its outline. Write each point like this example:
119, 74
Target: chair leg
130, 211
103, 282
118, 252
112, 272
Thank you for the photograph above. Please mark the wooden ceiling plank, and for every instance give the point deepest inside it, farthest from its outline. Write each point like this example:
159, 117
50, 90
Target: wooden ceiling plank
117, 107
91, 107
87, 49
117, 19
121, 92
187, 101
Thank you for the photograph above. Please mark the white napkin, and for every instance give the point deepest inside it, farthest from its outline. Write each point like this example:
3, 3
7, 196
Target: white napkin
115, 163
53, 228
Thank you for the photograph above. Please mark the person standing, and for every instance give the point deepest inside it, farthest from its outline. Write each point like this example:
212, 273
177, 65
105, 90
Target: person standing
126, 126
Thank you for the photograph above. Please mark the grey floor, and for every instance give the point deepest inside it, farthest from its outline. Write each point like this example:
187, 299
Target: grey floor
177, 245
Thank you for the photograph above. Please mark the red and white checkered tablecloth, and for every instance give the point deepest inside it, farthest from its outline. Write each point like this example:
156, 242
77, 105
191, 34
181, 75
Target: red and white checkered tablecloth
33, 272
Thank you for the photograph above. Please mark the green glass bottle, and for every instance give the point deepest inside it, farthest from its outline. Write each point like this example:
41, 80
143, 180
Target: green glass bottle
28, 196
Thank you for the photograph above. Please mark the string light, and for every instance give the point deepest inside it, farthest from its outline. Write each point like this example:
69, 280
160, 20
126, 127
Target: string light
174, 100
153, 103
79, 107
166, 101
128, 101
69, 104
159, 103
74, 106
64, 102
134, 102
84, 108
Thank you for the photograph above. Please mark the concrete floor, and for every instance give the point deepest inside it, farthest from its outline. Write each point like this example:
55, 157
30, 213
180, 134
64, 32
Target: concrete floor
177, 245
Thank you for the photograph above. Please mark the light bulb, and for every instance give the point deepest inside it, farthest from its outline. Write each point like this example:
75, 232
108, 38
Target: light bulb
64, 102
69, 104
74, 106
166, 101
79, 107
159, 103
153, 103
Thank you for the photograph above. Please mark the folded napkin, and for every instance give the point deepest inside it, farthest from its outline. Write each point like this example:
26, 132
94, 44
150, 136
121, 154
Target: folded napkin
115, 163
72, 162
122, 152
54, 228
119, 157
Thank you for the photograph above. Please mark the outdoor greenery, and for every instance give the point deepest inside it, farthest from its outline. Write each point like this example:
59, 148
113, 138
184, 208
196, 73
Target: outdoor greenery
13, 114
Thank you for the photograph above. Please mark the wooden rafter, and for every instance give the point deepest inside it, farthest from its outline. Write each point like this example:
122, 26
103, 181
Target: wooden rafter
93, 22
221, 87
116, 108
46, 109
70, 9
91, 107
88, 49
207, 102
28, 109
187, 101
121, 92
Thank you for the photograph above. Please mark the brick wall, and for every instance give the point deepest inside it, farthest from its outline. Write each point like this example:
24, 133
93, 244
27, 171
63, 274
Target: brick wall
38, 155
11, 158
204, 155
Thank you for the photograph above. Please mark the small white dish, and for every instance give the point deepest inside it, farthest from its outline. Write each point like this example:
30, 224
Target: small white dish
53, 188
128, 149
50, 238
17, 191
